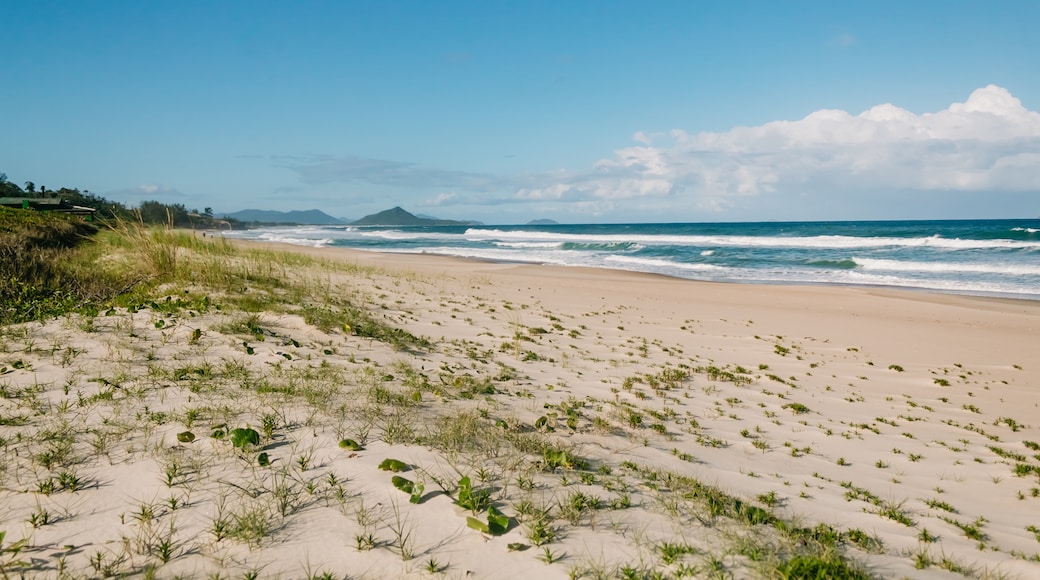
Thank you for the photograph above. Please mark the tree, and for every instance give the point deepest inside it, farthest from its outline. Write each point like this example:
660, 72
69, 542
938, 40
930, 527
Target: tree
8, 189
30, 187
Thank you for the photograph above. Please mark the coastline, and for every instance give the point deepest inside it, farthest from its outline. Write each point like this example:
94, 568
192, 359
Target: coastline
902, 422
970, 257
893, 304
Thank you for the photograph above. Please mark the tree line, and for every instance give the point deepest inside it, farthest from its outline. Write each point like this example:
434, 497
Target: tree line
149, 212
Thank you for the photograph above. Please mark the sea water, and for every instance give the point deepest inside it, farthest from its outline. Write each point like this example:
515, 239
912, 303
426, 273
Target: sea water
979, 257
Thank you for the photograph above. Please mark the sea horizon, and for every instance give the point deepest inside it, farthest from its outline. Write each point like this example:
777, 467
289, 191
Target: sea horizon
985, 257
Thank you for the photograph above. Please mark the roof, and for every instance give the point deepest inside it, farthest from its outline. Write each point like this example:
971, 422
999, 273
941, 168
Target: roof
45, 204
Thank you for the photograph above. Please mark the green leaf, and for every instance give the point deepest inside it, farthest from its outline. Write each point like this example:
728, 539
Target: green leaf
498, 523
244, 436
350, 445
185, 437
403, 484
417, 493
477, 525
393, 465
465, 493
263, 460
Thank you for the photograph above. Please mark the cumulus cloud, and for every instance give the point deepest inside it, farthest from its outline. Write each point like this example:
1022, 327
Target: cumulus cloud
990, 142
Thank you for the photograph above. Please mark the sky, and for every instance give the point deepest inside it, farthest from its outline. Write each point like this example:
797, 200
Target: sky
508, 111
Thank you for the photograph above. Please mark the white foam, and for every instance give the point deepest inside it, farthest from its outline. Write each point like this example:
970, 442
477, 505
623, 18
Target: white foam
528, 245
842, 242
654, 264
947, 267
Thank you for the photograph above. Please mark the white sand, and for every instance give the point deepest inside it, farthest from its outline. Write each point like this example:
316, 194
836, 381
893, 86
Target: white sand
879, 434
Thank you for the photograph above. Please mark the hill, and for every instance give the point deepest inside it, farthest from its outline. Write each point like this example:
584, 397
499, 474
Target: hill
399, 217
310, 217
543, 222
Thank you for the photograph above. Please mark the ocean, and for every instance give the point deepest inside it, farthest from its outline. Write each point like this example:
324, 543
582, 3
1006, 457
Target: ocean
976, 257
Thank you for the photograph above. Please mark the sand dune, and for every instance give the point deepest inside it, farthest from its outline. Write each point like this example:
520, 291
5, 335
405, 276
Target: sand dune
622, 424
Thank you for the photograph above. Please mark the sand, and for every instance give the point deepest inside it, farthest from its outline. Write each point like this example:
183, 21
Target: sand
908, 418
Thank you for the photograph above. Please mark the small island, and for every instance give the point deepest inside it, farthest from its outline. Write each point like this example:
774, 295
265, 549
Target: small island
399, 217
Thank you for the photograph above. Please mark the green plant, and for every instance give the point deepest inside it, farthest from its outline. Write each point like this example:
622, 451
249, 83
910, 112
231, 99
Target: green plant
434, 567
268, 423
671, 552
548, 556
393, 465
350, 445
540, 531
39, 517
244, 436
821, 566
497, 523
475, 500
797, 408
403, 531
364, 541
553, 459
415, 490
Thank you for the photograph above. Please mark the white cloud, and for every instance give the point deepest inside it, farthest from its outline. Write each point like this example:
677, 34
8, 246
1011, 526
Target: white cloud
990, 142
829, 164
442, 199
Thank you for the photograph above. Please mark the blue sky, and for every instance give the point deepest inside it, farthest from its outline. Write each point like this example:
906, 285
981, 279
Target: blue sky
509, 111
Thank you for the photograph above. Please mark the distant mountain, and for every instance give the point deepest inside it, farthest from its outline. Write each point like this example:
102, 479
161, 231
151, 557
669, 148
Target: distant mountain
400, 217
310, 217
543, 222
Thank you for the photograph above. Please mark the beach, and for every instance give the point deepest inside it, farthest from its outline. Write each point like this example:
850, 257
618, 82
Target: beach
619, 424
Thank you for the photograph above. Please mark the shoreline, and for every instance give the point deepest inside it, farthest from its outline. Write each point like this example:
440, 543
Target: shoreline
931, 313
911, 289
976, 258
361, 255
